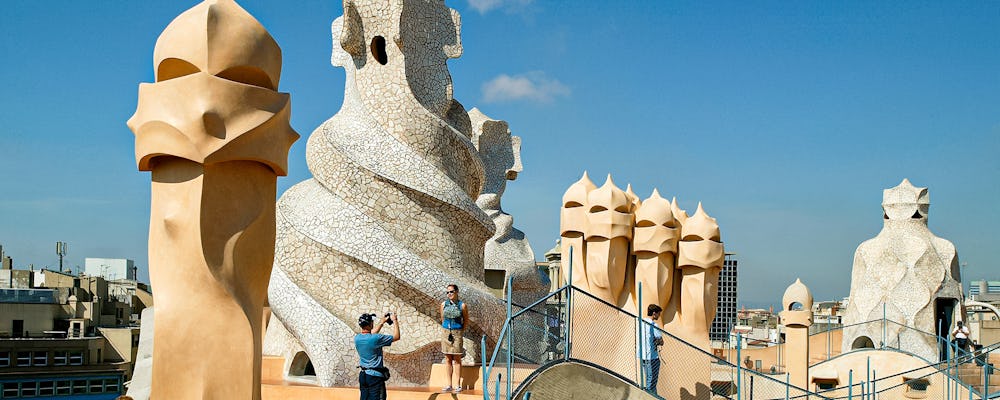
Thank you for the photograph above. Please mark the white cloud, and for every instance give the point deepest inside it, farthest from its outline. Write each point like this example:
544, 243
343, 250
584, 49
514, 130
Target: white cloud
483, 6
533, 86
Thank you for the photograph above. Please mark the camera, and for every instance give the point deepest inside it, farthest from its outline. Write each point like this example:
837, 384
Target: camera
371, 318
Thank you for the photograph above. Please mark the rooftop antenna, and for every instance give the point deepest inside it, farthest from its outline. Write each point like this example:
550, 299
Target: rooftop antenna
61, 252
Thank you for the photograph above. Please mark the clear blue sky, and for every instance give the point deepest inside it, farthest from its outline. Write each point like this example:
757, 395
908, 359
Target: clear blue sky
786, 119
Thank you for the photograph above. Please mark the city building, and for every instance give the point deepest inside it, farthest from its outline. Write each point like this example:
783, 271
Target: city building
13, 278
827, 315
982, 290
110, 268
68, 335
757, 318
5, 261
725, 309
984, 323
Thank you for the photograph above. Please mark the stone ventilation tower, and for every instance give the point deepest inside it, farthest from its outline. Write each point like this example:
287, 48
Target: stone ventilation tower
796, 316
909, 275
390, 216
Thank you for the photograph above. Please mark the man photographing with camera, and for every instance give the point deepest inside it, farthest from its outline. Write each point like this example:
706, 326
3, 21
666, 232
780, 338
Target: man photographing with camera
369, 344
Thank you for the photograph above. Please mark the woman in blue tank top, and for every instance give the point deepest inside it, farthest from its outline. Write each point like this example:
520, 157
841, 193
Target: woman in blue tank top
454, 313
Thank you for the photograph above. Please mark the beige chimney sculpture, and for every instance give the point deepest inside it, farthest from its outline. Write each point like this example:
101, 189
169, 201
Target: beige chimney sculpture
572, 225
699, 261
215, 134
796, 317
655, 247
608, 234
618, 242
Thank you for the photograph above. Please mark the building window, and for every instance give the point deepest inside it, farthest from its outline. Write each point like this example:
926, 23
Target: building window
60, 357
23, 358
10, 390
46, 388
80, 386
63, 388
111, 385
41, 359
76, 358
29, 389
97, 386
4, 358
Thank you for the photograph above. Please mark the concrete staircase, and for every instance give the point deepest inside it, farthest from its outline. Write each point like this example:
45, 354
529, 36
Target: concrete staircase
972, 374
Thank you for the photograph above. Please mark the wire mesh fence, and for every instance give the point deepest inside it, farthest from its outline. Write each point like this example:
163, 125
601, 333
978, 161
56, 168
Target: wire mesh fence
533, 335
573, 325
602, 334
496, 373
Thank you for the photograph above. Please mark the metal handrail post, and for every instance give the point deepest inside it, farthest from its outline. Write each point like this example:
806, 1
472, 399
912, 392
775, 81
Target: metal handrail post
828, 339
850, 385
497, 395
739, 365
868, 377
953, 373
950, 356
883, 325
482, 365
874, 392
567, 325
987, 369
510, 332
639, 341
940, 330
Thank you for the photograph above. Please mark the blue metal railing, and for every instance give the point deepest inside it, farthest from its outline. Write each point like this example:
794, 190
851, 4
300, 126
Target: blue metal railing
498, 381
501, 385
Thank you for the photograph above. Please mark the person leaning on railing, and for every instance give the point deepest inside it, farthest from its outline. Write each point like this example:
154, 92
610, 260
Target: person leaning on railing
650, 337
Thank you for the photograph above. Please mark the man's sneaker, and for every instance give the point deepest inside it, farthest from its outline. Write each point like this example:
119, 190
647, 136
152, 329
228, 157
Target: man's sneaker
446, 389
458, 389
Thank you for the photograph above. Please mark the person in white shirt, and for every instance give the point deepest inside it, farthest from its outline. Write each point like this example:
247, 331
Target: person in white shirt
650, 338
961, 335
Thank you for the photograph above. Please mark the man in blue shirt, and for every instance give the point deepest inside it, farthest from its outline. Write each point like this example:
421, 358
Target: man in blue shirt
369, 344
649, 338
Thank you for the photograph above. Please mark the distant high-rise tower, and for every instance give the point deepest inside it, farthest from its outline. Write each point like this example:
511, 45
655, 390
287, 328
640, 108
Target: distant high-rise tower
725, 311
